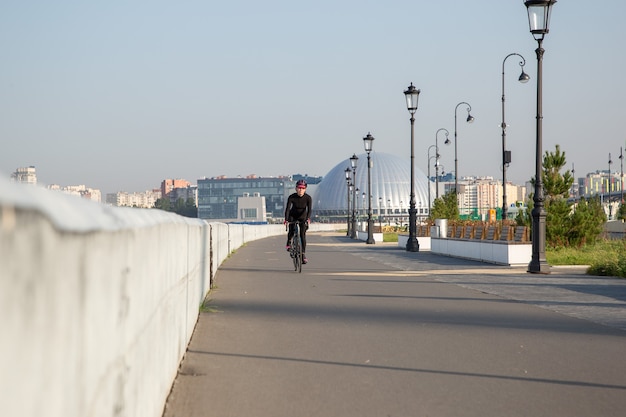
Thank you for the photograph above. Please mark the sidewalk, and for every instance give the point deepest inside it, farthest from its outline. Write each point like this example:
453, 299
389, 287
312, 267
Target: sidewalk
372, 330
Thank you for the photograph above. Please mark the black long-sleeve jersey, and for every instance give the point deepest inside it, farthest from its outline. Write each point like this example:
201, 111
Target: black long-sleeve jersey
298, 208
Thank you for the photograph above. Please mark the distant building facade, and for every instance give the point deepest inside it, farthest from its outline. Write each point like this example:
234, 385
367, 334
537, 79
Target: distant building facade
25, 175
79, 190
179, 189
219, 197
142, 200
477, 195
251, 209
601, 183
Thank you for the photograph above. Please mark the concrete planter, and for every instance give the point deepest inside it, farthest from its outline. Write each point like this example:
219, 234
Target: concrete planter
496, 252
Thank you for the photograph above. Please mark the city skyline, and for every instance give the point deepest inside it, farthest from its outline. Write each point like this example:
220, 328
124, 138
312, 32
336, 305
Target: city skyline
119, 96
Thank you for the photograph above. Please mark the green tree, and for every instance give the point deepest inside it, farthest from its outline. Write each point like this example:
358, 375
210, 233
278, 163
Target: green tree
558, 221
586, 222
190, 209
555, 185
184, 208
523, 217
567, 224
445, 207
163, 204
621, 212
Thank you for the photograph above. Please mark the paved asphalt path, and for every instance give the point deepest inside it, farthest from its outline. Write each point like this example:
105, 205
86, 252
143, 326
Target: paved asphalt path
375, 331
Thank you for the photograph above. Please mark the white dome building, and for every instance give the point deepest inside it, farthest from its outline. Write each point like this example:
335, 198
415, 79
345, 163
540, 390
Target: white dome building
391, 189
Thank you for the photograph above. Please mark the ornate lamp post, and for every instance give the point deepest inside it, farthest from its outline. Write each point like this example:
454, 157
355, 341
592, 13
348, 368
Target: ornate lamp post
356, 202
412, 95
353, 160
367, 142
436, 157
621, 178
470, 119
608, 187
447, 142
506, 155
363, 198
539, 19
347, 172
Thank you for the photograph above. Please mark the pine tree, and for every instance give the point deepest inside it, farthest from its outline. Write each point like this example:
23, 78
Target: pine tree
567, 224
445, 207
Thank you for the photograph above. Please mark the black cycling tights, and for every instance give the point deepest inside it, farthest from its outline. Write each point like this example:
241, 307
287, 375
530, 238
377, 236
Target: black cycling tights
303, 227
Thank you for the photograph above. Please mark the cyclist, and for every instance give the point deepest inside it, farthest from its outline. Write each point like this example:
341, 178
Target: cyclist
298, 208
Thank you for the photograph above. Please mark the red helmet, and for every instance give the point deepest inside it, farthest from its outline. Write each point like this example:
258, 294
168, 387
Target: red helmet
301, 184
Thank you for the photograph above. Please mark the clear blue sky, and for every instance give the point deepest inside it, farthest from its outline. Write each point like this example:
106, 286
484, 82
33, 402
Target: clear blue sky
119, 95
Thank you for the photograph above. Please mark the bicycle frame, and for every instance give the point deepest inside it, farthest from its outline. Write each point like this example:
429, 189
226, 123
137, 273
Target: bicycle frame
296, 246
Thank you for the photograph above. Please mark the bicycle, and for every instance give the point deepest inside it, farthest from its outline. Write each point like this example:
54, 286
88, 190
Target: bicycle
295, 247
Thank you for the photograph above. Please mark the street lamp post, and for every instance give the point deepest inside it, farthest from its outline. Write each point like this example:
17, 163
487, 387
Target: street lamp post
539, 19
608, 187
356, 202
367, 142
506, 155
469, 119
436, 156
363, 202
621, 178
412, 95
380, 218
353, 160
447, 142
347, 172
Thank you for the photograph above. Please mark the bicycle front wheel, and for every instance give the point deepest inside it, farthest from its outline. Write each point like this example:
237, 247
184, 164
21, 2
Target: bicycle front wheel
294, 253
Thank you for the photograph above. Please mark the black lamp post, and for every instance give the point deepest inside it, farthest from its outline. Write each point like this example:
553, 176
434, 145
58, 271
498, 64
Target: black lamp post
539, 19
367, 142
447, 142
506, 155
621, 178
353, 160
387, 215
608, 187
412, 95
347, 172
436, 157
363, 198
470, 119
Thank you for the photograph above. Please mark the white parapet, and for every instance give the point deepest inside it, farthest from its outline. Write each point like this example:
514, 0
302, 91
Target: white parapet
98, 303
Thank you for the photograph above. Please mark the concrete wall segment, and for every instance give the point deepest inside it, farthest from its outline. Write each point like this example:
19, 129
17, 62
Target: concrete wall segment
98, 303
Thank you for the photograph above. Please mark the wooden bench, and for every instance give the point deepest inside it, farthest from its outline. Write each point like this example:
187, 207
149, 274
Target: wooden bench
469, 232
423, 230
507, 233
521, 234
491, 233
479, 232
458, 232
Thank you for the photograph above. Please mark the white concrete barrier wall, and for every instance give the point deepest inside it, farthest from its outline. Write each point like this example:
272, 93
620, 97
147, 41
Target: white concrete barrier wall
98, 304
501, 253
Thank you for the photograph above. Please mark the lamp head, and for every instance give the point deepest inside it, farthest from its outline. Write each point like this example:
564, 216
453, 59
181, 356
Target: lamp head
353, 160
539, 16
412, 95
367, 142
523, 78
